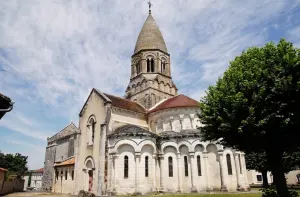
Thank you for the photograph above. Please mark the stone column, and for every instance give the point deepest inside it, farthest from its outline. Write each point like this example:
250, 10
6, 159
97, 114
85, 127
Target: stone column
244, 170
178, 173
181, 121
237, 170
161, 159
154, 172
206, 174
137, 162
113, 174
223, 172
191, 156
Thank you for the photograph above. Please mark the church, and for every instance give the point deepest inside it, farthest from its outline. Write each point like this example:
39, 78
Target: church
148, 141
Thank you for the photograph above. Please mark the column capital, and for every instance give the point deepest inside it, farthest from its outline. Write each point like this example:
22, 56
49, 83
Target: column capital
137, 154
191, 154
178, 155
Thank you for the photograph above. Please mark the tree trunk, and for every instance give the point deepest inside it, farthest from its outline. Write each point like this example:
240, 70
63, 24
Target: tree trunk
275, 162
265, 179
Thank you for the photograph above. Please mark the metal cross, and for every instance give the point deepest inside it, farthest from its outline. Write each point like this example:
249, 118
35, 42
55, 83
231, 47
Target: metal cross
150, 4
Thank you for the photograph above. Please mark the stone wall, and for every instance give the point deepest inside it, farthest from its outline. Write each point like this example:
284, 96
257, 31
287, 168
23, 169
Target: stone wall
48, 168
64, 180
10, 186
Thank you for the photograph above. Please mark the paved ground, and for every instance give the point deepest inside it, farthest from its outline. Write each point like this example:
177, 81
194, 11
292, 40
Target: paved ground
36, 194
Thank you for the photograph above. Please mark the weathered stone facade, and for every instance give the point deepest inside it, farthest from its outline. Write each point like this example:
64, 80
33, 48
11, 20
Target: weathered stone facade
60, 147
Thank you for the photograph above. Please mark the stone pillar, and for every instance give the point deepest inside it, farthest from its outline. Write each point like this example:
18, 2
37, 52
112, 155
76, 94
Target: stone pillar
181, 121
191, 156
154, 172
237, 170
161, 159
113, 174
244, 170
206, 174
178, 173
137, 162
223, 172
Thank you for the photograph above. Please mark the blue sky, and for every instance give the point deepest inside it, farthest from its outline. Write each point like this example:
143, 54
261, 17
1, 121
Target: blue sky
55, 52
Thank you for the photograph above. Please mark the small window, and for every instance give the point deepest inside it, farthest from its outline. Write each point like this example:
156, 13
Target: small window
148, 65
163, 66
93, 131
229, 164
199, 165
241, 172
66, 175
186, 170
126, 167
170, 161
259, 178
146, 166
298, 178
152, 65
72, 174
62, 172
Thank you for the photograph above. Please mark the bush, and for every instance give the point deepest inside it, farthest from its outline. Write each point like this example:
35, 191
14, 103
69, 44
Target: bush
271, 192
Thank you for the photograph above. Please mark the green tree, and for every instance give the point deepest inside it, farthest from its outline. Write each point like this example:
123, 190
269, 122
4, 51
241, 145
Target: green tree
255, 106
15, 163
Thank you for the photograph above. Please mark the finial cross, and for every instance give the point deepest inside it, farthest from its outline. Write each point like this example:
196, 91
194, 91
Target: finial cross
150, 5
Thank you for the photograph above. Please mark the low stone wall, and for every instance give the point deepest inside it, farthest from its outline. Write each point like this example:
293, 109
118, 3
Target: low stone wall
11, 186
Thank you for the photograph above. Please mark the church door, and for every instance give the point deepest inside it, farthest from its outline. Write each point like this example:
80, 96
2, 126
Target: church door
90, 180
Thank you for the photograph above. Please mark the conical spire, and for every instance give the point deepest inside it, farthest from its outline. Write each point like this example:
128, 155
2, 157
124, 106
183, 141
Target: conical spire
150, 37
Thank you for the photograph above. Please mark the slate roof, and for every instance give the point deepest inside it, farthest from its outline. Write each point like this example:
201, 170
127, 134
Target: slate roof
125, 104
184, 133
70, 161
150, 37
176, 102
68, 130
130, 129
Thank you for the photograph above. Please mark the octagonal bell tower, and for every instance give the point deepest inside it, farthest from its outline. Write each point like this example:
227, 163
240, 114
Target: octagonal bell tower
150, 80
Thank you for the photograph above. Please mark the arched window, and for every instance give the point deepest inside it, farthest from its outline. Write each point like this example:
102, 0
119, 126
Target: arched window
91, 128
163, 66
186, 170
146, 166
229, 167
170, 160
126, 167
199, 165
240, 164
138, 68
150, 64
66, 175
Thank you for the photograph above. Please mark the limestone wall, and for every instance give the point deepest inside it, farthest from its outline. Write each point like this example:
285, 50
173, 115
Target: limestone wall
63, 180
48, 168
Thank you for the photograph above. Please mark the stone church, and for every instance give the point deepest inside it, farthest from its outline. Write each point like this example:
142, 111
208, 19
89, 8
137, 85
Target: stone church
147, 141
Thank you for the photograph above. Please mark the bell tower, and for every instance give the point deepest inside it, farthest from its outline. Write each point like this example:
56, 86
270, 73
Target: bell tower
150, 80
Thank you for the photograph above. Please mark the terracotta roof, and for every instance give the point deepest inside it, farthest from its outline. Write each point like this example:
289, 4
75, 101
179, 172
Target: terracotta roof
70, 161
125, 104
38, 170
150, 37
176, 102
68, 130
3, 169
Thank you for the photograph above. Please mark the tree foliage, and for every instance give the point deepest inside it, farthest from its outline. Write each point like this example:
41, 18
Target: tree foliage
15, 163
254, 107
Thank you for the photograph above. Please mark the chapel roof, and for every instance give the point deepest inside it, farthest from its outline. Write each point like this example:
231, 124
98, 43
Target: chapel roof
150, 37
125, 104
176, 102
68, 130
70, 161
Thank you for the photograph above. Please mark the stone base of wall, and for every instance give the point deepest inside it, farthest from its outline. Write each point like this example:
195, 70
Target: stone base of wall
11, 186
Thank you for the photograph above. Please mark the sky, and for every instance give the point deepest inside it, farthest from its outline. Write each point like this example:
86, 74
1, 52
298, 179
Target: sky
54, 52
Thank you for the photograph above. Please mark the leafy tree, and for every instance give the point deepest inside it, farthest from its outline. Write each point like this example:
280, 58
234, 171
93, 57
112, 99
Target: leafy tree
255, 106
16, 164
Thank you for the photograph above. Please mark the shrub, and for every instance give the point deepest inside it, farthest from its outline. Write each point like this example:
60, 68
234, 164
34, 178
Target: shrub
271, 192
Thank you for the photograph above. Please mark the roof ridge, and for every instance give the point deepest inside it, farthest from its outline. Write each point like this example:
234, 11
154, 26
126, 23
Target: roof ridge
71, 123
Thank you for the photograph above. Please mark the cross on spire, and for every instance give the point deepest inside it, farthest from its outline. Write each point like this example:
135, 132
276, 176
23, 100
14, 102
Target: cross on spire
150, 4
